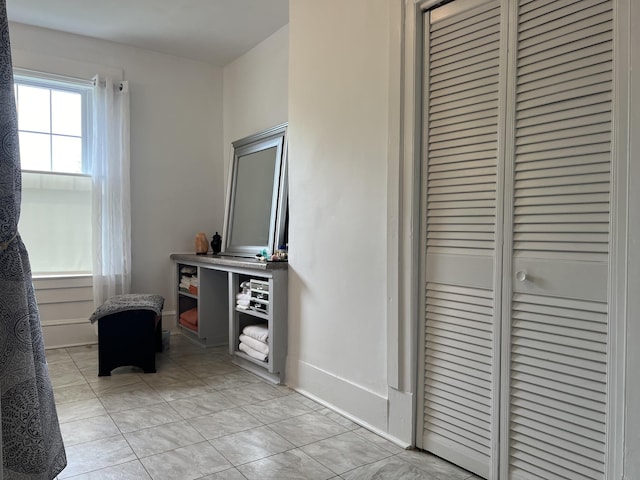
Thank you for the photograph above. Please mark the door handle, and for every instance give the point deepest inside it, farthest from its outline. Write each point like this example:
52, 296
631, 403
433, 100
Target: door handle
521, 275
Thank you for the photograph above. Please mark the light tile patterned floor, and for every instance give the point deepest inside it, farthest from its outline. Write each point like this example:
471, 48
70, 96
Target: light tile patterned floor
201, 417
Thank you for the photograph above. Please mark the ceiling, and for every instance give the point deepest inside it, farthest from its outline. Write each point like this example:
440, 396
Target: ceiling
212, 31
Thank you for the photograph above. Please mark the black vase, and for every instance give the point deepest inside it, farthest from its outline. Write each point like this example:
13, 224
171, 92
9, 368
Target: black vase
216, 243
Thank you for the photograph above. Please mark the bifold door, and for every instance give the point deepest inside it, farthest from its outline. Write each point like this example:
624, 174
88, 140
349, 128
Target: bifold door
462, 73
561, 181
517, 158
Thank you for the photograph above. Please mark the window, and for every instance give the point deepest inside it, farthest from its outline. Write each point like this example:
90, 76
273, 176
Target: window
53, 129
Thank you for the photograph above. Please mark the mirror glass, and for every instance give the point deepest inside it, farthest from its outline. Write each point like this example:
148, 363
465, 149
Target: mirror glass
253, 198
255, 218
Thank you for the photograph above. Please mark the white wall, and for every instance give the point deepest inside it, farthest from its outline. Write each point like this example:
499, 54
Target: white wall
256, 91
338, 147
337, 92
176, 141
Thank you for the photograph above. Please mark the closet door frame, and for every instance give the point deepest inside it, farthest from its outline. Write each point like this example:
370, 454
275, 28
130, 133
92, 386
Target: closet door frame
411, 198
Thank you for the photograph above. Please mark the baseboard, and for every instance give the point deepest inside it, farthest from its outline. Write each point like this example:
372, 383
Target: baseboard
73, 332
65, 321
354, 419
169, 322
402, 420
68, 333
358, 404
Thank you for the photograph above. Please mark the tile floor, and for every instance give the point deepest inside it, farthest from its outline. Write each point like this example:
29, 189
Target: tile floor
201, 417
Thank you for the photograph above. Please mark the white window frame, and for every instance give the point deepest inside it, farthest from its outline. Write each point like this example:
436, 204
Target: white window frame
66, 84
83, 87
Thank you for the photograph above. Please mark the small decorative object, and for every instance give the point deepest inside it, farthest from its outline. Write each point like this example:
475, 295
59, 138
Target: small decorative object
202, 245
279, 256
263, 256
216, 243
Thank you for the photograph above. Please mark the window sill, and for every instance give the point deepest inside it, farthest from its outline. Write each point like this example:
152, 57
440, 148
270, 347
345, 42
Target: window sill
59, 276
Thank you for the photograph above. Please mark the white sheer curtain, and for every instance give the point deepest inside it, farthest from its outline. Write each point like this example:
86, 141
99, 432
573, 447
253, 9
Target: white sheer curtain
111, 195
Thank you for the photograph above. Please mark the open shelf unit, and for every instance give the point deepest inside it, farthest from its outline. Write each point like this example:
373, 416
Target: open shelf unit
220, 321
211, 300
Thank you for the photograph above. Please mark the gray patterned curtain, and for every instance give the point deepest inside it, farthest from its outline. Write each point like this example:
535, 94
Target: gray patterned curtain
32, 445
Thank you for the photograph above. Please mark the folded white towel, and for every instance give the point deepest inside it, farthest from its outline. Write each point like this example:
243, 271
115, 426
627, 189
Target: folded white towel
251, 352
243, 303
255, 344
189, 281
259, 332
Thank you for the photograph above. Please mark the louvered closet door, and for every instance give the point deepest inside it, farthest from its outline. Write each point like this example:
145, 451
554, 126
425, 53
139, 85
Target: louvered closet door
459, 158
557, 390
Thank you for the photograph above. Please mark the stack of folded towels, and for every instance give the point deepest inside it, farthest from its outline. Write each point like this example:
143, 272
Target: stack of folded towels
189, 319
243, 298
254, 341
189, 280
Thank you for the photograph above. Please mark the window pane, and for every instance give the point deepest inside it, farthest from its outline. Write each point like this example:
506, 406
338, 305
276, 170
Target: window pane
35, 151
34, 109
66, 113
66, 154
55, 222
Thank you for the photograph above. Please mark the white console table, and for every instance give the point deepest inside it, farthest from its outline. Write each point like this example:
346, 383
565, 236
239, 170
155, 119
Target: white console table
220, 322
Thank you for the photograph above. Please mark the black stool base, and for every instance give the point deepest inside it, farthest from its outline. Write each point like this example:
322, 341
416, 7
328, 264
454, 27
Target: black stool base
129, 338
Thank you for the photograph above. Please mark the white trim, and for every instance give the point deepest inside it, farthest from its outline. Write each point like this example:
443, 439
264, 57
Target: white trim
65, 174
69, 345
347, 415
422, 5
55, 282
340, 393
169, 321
166, 315
403, 218
631, 415
57, 276
401, 411
409, 206
618, 257
49, 80
68, 333
72, 332
394, 198
413, 82
64, 321
419, 32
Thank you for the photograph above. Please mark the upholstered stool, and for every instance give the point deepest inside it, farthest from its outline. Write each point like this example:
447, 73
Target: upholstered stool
129, 332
